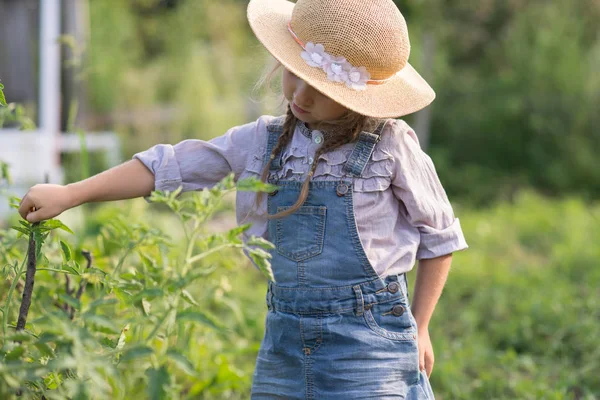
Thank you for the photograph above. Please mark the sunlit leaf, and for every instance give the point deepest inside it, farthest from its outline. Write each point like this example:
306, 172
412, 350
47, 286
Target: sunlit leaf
260, 258
188, 297
260, 242
122, 338
2, 98
66, 250
146, 306
253, 184
55, 224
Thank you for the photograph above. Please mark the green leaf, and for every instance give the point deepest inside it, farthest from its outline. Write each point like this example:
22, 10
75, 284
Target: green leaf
20, 336
73, 302
122, 338
66, 250
102, 302
2, 98
148, 294
253, 184
260, 242
135, 352
100, 323
188, 297
21, 229
70, 269
158, 383
55, 224
15, 353
14, 202
200, 317
146, 306
181, 361
5, 174
260, 258
233, 233
45, 349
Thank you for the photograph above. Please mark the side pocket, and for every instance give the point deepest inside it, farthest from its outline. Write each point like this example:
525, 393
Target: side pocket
391, 320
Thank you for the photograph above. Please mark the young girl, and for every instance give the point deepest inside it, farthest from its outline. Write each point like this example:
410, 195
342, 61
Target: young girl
358, 202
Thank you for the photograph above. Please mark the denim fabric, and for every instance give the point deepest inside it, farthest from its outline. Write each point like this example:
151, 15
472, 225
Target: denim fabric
334, 329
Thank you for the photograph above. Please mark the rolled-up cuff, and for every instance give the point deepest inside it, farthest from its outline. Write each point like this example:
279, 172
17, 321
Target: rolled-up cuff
161, 161
436, 242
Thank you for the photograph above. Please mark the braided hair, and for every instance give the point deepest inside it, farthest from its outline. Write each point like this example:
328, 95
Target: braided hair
353, 124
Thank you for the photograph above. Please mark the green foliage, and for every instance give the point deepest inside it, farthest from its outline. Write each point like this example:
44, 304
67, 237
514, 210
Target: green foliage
518, 318
518, 94
2, 98
151, 316
15, 114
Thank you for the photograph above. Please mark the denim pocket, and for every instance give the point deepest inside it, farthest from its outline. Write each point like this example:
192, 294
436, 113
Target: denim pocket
391, 320
300, 235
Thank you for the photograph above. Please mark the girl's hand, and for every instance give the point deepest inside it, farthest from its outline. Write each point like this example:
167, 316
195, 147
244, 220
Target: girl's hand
426, 357
45, 201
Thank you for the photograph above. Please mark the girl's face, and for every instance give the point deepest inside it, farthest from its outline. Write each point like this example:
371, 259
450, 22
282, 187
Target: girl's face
308, 104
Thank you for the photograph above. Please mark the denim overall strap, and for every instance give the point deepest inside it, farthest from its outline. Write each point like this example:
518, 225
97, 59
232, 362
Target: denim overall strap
362, 152
275, 129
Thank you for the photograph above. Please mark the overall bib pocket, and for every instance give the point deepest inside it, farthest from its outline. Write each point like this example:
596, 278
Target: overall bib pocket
300, 235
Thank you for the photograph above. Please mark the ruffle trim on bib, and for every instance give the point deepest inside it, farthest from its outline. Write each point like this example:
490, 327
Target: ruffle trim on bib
296, 163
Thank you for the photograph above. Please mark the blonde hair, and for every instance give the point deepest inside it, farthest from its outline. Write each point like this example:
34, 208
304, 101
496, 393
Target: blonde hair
340, 131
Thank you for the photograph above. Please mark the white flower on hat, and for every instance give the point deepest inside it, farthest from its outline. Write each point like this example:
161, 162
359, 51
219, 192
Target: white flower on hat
357, 78
337, 69
315, 55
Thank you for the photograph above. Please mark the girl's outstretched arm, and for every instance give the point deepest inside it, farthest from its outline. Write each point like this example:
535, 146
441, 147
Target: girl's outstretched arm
431, 278
126, 181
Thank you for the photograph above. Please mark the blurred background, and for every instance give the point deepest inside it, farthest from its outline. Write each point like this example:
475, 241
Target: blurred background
514, 134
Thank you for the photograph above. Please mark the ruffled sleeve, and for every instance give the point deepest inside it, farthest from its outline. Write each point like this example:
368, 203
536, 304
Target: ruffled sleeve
416, 184
198, 164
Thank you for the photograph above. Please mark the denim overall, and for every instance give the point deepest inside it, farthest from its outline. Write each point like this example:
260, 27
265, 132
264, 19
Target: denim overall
334, 328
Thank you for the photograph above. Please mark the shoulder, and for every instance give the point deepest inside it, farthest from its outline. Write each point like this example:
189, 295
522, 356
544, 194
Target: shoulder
252, 135
398, 135
260, 125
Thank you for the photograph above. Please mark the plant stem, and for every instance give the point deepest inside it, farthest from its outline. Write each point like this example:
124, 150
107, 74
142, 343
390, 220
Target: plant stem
127, 252
192, 260
9, 298
158, 324
29, 281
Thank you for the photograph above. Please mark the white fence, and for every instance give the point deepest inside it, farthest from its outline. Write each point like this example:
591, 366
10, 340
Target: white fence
34, 155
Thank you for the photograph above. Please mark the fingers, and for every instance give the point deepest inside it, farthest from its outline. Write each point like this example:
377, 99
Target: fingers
34, 216
29, 211
26, 206
429, 364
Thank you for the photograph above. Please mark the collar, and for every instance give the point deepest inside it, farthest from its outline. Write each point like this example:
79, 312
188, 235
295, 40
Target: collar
305, 130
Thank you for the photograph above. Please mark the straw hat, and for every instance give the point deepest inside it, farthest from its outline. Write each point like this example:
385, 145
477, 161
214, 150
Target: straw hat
353, 51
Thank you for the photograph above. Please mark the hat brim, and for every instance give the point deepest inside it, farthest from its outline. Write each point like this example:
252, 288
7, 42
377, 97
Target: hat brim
405, 93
